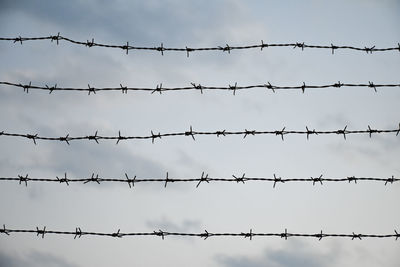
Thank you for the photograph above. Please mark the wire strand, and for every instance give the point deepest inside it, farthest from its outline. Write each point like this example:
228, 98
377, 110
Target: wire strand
191, 133
206, 234
197, 87
24, 179
187, 50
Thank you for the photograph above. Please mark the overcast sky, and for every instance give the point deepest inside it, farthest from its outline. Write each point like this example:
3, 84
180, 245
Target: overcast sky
366, 207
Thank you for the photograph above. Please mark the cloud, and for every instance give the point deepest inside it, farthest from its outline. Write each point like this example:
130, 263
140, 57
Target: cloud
378, 152
81, 161
86, 157
33, 259
167, 225
147, 21
302, 253
81, 157
295, 254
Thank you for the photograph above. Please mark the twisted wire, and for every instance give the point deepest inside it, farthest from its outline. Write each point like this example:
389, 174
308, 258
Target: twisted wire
191, 133
198, 87
78, 233
225, 48
204, 178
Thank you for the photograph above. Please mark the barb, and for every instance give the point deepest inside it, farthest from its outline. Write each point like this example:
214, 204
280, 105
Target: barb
389, 180
166, 181
227, 48
276, 180
239, 179
78, 232
206, 235
117, 234
198, 180
320, 236
317, 180
92, 179
285, 234
4, 230
249, 234
193, 86
65, 139
160, 233
41, 232
310, 132
26, 87
193, 133
353, 178
203, 179
120, 137
22, 179
93, 137
63, 180
130, 181
163, 234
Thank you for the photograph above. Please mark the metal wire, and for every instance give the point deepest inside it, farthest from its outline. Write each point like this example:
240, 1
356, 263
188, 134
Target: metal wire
24, 179
206, 234
197, 87
226, 48
191, 133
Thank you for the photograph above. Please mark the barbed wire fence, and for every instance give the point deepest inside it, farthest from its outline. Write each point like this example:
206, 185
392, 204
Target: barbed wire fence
225, 48
78, 233
204, 178
197, 87
191, 133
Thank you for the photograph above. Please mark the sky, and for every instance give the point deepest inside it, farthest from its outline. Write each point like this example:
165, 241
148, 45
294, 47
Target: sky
365, 207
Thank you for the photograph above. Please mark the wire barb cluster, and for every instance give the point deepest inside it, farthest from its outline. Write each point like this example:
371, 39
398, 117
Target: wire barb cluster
203, 178
191, 133
198, 87
78, 233
226, 48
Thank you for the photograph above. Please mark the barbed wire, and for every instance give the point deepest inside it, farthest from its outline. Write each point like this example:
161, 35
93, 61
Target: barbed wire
78, 233
197, 87
191, 133
24, 179
226, 48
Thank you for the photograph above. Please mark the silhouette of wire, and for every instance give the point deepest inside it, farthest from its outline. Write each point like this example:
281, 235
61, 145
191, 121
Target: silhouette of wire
187, 50
204, 178
191, 133
197, 87
206, 234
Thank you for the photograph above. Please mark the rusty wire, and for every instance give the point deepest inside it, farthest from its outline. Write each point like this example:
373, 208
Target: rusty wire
78, 233
225, 48
24, 179
197, 87
191, 133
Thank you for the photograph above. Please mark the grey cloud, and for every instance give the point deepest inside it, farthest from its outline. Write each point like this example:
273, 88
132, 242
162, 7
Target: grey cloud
380, 148
83, 159
9, 261
295, 254
380, 151
77, 159
333, 120
79, 162
142, 20
97, 16
63, 12
86, 157
168, 225
189, 165
33, 259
